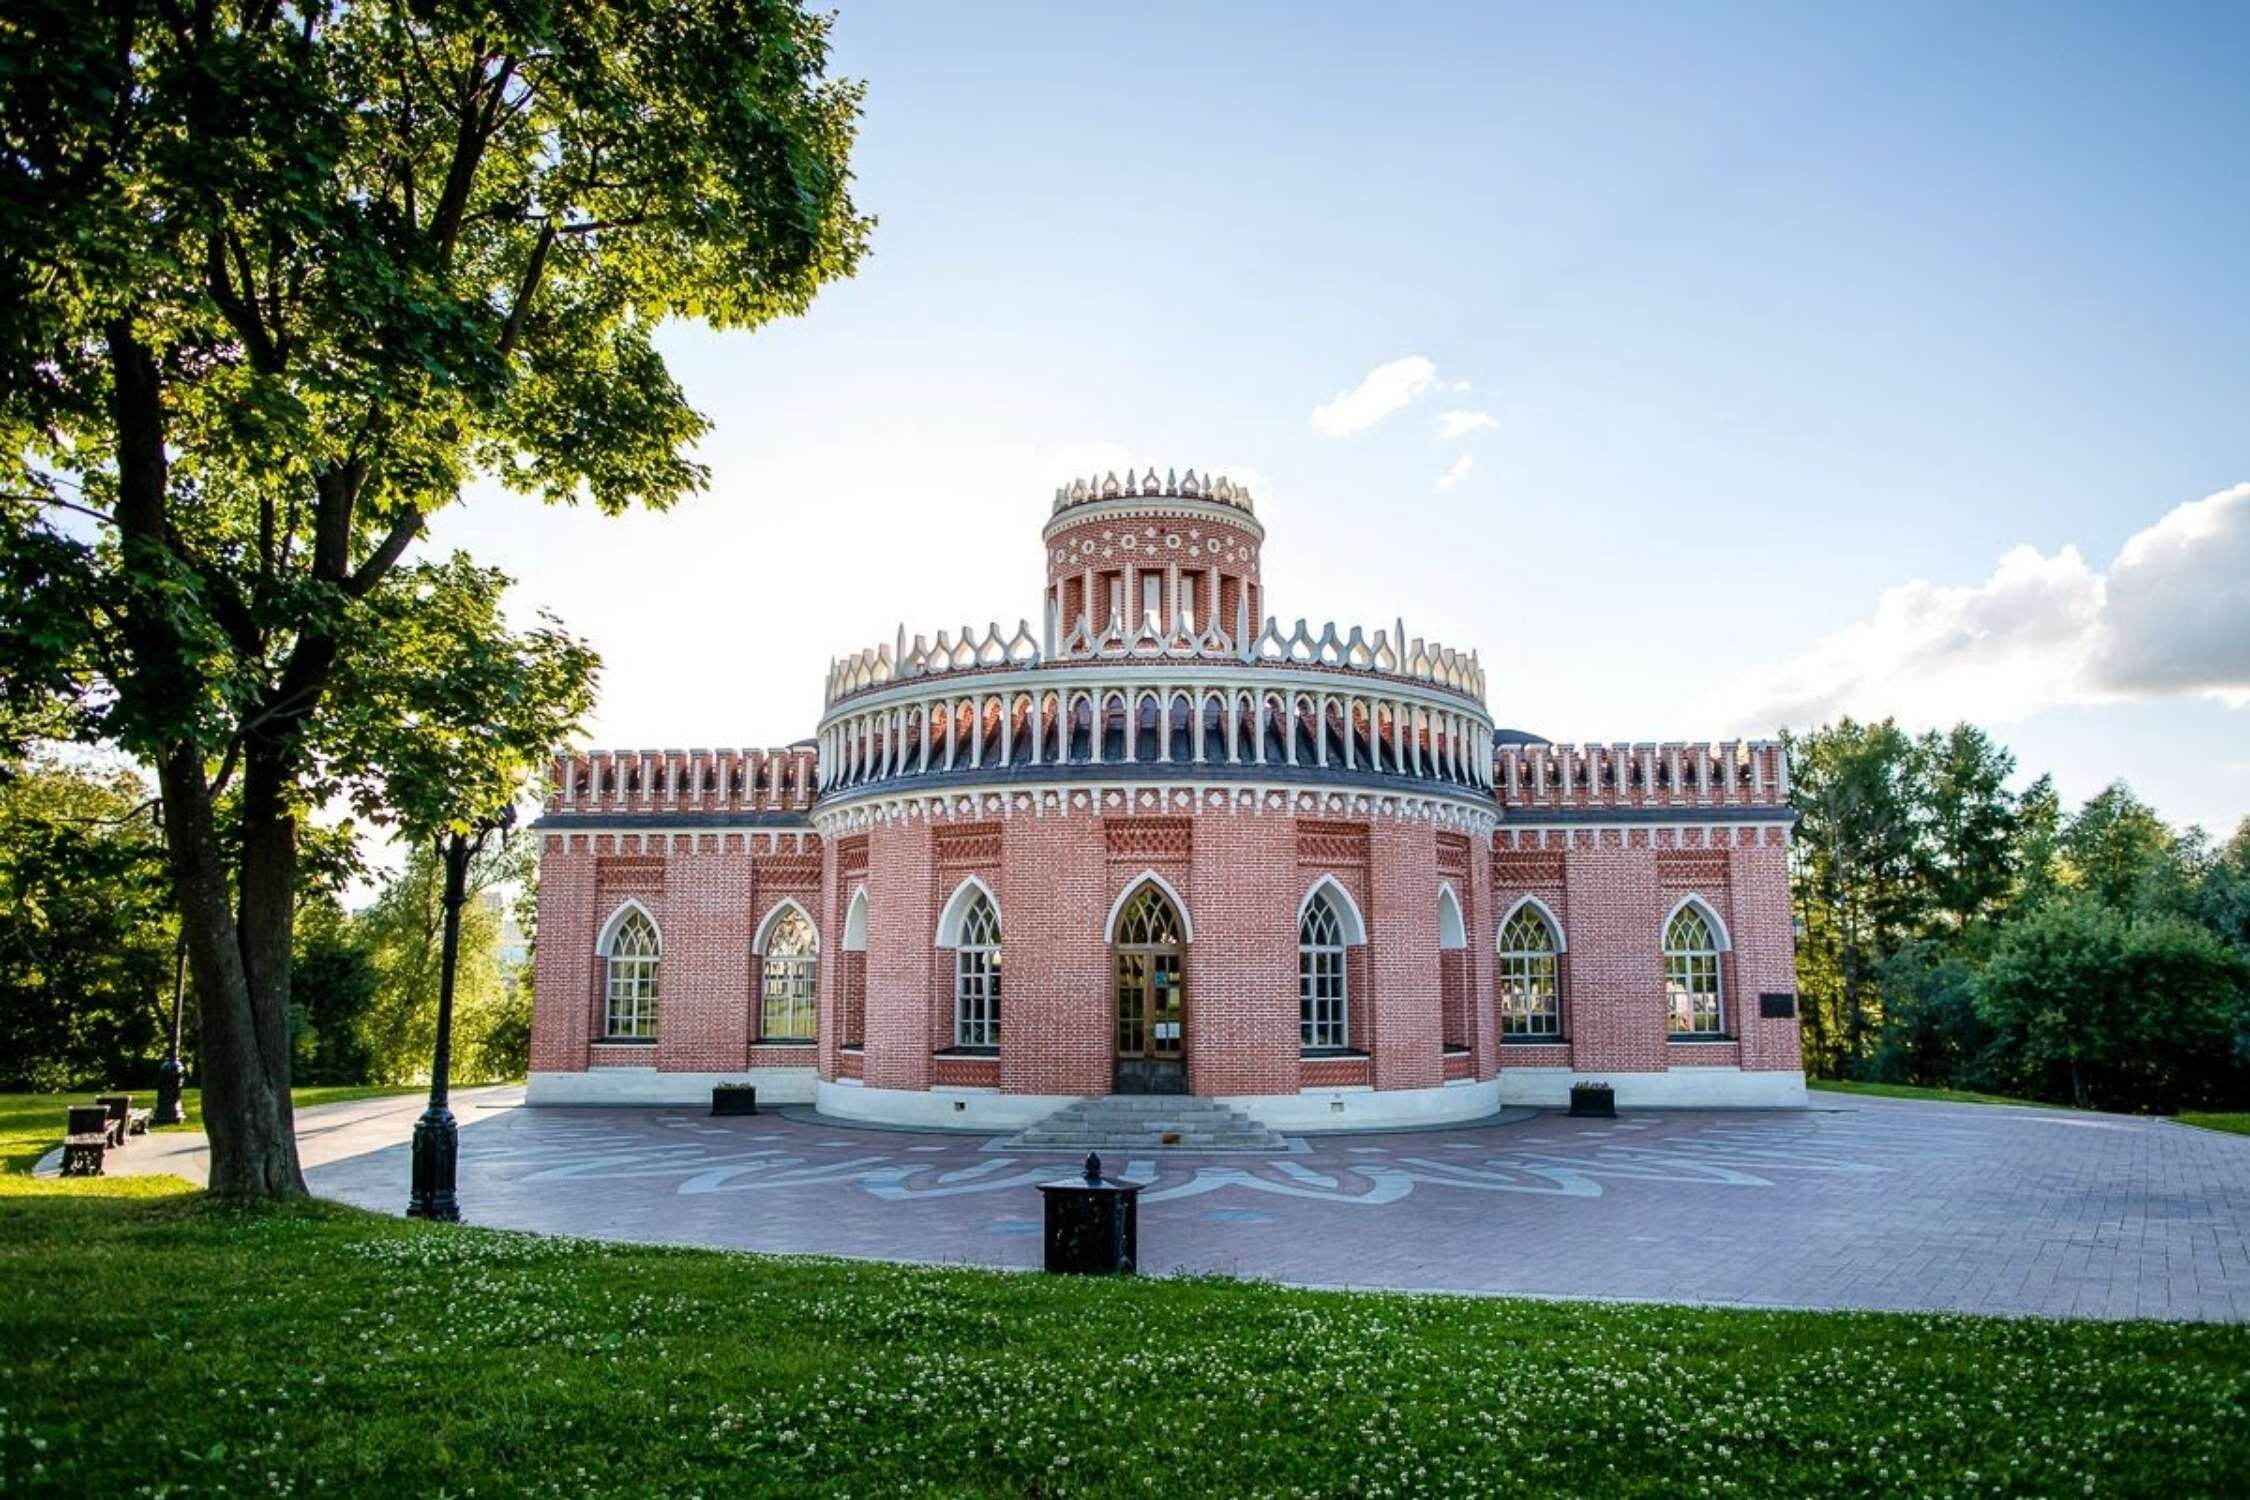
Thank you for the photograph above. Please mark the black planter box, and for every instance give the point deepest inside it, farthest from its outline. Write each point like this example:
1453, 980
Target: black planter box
1593, 1101
734, 1099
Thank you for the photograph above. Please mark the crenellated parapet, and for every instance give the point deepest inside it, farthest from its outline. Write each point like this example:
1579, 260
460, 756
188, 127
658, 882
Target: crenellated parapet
1385, 653
1537, 778
1172, 486
783, 780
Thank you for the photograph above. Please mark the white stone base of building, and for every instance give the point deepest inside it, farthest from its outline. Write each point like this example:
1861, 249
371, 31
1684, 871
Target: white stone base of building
1345, 1108
940, 1107
652, 1086
1358, 1107
1674, 1088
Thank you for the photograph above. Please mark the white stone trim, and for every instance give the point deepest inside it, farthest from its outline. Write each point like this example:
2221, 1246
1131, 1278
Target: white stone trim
608, 932
1355, 925
1357, 1107
1712, 1087
956, 909
1554, 923
945, 1105
1456, 933
855, 922
862, 808
654, 1086
765, 926
1710, 915
1149, 877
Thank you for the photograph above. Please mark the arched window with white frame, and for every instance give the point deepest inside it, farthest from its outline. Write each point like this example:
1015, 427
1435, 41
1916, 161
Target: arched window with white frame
630, 959
1530, 997
1323, 1001
976, 975
1693, 1004
788, 999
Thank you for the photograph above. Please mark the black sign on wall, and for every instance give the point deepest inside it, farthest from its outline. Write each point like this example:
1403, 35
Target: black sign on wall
1779, 1007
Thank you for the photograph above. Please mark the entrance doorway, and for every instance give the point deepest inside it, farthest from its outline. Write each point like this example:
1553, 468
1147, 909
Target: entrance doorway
1151, 1000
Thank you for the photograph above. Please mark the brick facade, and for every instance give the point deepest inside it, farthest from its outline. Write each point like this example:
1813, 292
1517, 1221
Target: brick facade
1197, 747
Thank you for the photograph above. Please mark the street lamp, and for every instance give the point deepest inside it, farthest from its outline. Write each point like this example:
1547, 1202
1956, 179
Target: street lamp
437, 1139
168, 1073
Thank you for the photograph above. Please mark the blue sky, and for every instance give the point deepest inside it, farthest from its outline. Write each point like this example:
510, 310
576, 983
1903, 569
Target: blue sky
1794, 326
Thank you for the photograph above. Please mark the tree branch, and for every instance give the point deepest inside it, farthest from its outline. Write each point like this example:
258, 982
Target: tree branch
405, 526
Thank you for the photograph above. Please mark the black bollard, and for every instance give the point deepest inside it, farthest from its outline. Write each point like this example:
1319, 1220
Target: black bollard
1093, 1224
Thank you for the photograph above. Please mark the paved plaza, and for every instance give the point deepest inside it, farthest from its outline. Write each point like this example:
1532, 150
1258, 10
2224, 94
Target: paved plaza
1856, 1203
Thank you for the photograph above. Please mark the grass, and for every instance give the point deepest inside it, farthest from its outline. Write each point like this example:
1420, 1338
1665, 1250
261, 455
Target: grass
31, 1125
2234, 1124
159, 1342
1911, 1091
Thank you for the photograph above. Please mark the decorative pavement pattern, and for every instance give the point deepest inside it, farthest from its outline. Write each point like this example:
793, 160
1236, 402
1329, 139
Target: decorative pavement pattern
1862, 1203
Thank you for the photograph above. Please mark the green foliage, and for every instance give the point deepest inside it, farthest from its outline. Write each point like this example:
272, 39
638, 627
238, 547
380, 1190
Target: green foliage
276, 283
332, 990
1955, 935
317, 1350
445, 717
1933, 1035
86, 932
401, 932
2123, 1011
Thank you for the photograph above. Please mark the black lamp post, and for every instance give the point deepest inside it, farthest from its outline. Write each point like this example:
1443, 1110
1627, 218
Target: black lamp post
168, 1111
437, 1140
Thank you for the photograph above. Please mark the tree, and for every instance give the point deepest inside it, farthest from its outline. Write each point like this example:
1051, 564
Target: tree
86, 930
2097, 1006
275, 283
1969, 823
333, 990
403, 933
2117, 850
1857, 850
454, 719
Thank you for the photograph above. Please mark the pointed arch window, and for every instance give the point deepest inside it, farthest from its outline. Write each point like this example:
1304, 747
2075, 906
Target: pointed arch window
789, 998
976, 976
1322, 1001
1693, 1004
629, 1008
1530, 1002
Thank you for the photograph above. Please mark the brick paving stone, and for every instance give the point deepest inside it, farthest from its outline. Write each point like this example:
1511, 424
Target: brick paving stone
1875, 1204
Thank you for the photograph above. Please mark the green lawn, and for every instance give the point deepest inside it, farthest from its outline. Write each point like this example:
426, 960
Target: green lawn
2233, 1124
154, 1338
1910, 1091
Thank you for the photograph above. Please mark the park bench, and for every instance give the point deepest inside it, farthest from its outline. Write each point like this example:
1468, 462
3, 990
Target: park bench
85, 1138
123, 1118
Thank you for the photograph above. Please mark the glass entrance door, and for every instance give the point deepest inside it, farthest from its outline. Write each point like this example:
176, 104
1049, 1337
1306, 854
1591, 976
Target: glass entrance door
1151, 1019
1149, 998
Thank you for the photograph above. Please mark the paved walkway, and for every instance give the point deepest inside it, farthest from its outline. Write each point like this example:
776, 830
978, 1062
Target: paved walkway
1866, 1203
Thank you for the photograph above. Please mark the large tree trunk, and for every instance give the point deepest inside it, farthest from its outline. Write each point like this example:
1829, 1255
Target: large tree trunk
246, 1114
241, 977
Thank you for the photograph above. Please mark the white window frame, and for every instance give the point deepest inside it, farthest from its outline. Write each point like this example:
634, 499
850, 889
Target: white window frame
1530, 977
1323, 977
790, 979
1694, 976
976, 974
629, 978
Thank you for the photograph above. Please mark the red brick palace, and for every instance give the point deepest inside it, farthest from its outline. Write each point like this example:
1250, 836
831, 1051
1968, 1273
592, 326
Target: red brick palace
1160, 844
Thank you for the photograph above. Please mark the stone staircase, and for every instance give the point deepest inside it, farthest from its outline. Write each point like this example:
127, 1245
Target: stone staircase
1154, 1122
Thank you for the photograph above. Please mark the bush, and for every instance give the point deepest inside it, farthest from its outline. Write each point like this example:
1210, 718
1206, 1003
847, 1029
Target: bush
2089, 1005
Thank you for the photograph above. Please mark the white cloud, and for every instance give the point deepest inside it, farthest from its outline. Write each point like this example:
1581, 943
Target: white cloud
2171, 616
1386, 389
2179, 605
1459, 472
1459, 424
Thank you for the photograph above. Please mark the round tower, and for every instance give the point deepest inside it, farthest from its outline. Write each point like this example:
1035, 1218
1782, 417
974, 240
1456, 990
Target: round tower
1165, 556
